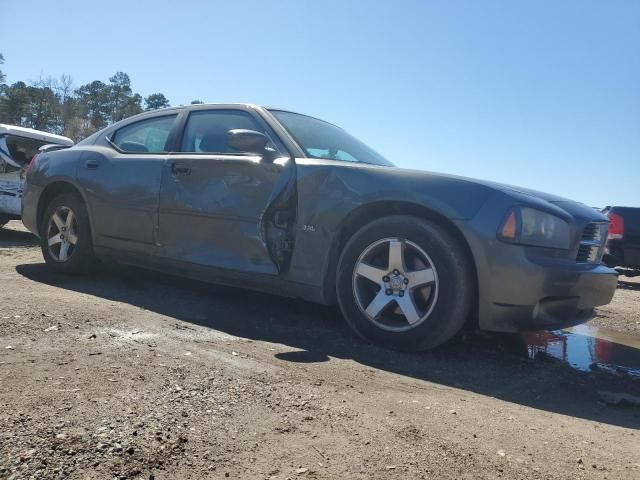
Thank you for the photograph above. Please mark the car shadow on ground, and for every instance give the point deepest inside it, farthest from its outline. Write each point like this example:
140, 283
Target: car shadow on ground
10, 238
628, 285
493, 365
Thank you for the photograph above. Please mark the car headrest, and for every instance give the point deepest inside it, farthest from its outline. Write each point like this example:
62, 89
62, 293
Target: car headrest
215, 142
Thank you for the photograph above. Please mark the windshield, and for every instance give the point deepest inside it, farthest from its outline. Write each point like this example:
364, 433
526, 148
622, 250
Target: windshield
322, 140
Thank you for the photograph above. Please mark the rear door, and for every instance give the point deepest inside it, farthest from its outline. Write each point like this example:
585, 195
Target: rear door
122, 183
214, 202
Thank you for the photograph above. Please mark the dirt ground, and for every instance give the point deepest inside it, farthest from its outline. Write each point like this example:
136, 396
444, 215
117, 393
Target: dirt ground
623, 314
129, 374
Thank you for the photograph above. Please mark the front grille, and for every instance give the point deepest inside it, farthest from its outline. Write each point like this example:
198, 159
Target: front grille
592, 243
587, 253
592, 232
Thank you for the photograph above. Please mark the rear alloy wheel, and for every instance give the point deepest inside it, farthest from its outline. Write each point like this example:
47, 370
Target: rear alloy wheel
62, 234
405, 284
66, 236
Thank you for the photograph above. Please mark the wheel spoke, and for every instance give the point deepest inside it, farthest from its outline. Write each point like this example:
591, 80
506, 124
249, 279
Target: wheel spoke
54, 240
418, 278
396, 255
408, 308
372, 273
57, 220
64, 251
72, 238
380, 301
69, 220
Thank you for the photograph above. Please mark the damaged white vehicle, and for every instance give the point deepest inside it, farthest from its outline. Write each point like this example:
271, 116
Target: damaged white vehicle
18, 145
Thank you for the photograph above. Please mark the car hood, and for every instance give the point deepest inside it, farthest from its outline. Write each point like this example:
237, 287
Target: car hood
574, 208
528, 196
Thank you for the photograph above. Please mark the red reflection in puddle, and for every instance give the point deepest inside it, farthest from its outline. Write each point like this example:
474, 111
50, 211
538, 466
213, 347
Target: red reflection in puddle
583, 346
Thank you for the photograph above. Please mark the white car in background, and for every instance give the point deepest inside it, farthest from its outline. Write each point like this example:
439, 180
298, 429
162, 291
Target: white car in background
18, 145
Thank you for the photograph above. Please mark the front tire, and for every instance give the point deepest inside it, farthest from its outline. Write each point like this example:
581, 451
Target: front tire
65, 235
405, 284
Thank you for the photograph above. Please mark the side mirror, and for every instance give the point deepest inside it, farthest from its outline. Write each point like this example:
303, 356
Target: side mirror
248, 141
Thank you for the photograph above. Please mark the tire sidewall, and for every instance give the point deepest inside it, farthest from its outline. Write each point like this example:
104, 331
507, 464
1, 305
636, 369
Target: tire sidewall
454, 289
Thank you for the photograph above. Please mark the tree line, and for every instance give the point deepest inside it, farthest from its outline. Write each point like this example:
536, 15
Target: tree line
56, 105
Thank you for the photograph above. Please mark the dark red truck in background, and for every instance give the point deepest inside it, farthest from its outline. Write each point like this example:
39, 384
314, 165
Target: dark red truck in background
623, 245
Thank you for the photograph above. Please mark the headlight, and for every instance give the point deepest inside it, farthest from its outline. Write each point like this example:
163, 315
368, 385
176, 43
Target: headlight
528, 226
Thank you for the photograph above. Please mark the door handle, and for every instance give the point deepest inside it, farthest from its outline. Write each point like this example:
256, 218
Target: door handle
91, 164
180, 169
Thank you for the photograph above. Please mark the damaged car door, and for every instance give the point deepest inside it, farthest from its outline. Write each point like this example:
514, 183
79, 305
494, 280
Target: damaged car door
225, 208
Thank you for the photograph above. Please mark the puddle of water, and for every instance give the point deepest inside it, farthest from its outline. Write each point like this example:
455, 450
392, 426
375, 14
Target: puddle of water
584, 345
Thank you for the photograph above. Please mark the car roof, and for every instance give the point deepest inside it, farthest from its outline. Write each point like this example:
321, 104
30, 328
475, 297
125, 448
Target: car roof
193, 106
199, 105
228, 104
35, 134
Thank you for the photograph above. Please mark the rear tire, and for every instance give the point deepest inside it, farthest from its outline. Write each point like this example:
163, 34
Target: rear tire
65, 235
405, 284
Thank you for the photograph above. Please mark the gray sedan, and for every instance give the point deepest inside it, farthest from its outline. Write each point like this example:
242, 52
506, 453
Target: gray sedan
281, 202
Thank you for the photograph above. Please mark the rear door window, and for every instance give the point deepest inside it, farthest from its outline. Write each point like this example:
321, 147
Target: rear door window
145, 136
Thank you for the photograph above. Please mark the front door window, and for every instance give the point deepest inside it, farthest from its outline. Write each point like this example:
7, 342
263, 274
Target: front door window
207, 131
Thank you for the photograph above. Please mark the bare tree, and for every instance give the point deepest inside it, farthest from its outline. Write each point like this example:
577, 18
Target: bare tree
64, 90
2, 77
56, 105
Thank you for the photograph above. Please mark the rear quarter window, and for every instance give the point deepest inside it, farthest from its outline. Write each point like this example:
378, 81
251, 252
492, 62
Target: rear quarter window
145, 136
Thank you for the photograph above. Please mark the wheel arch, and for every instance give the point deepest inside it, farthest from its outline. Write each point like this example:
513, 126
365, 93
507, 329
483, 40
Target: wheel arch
52, 190
365, 214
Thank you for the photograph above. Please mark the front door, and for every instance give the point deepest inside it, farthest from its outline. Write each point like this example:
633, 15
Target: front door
122, 184
214, 202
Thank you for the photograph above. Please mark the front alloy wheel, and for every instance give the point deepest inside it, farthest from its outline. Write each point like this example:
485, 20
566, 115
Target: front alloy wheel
405, 283
395, 284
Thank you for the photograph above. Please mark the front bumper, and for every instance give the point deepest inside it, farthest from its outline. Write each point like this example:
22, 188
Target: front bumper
529, 288
551, 299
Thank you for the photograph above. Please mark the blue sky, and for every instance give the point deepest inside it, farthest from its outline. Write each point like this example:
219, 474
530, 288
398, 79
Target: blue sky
543, 94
